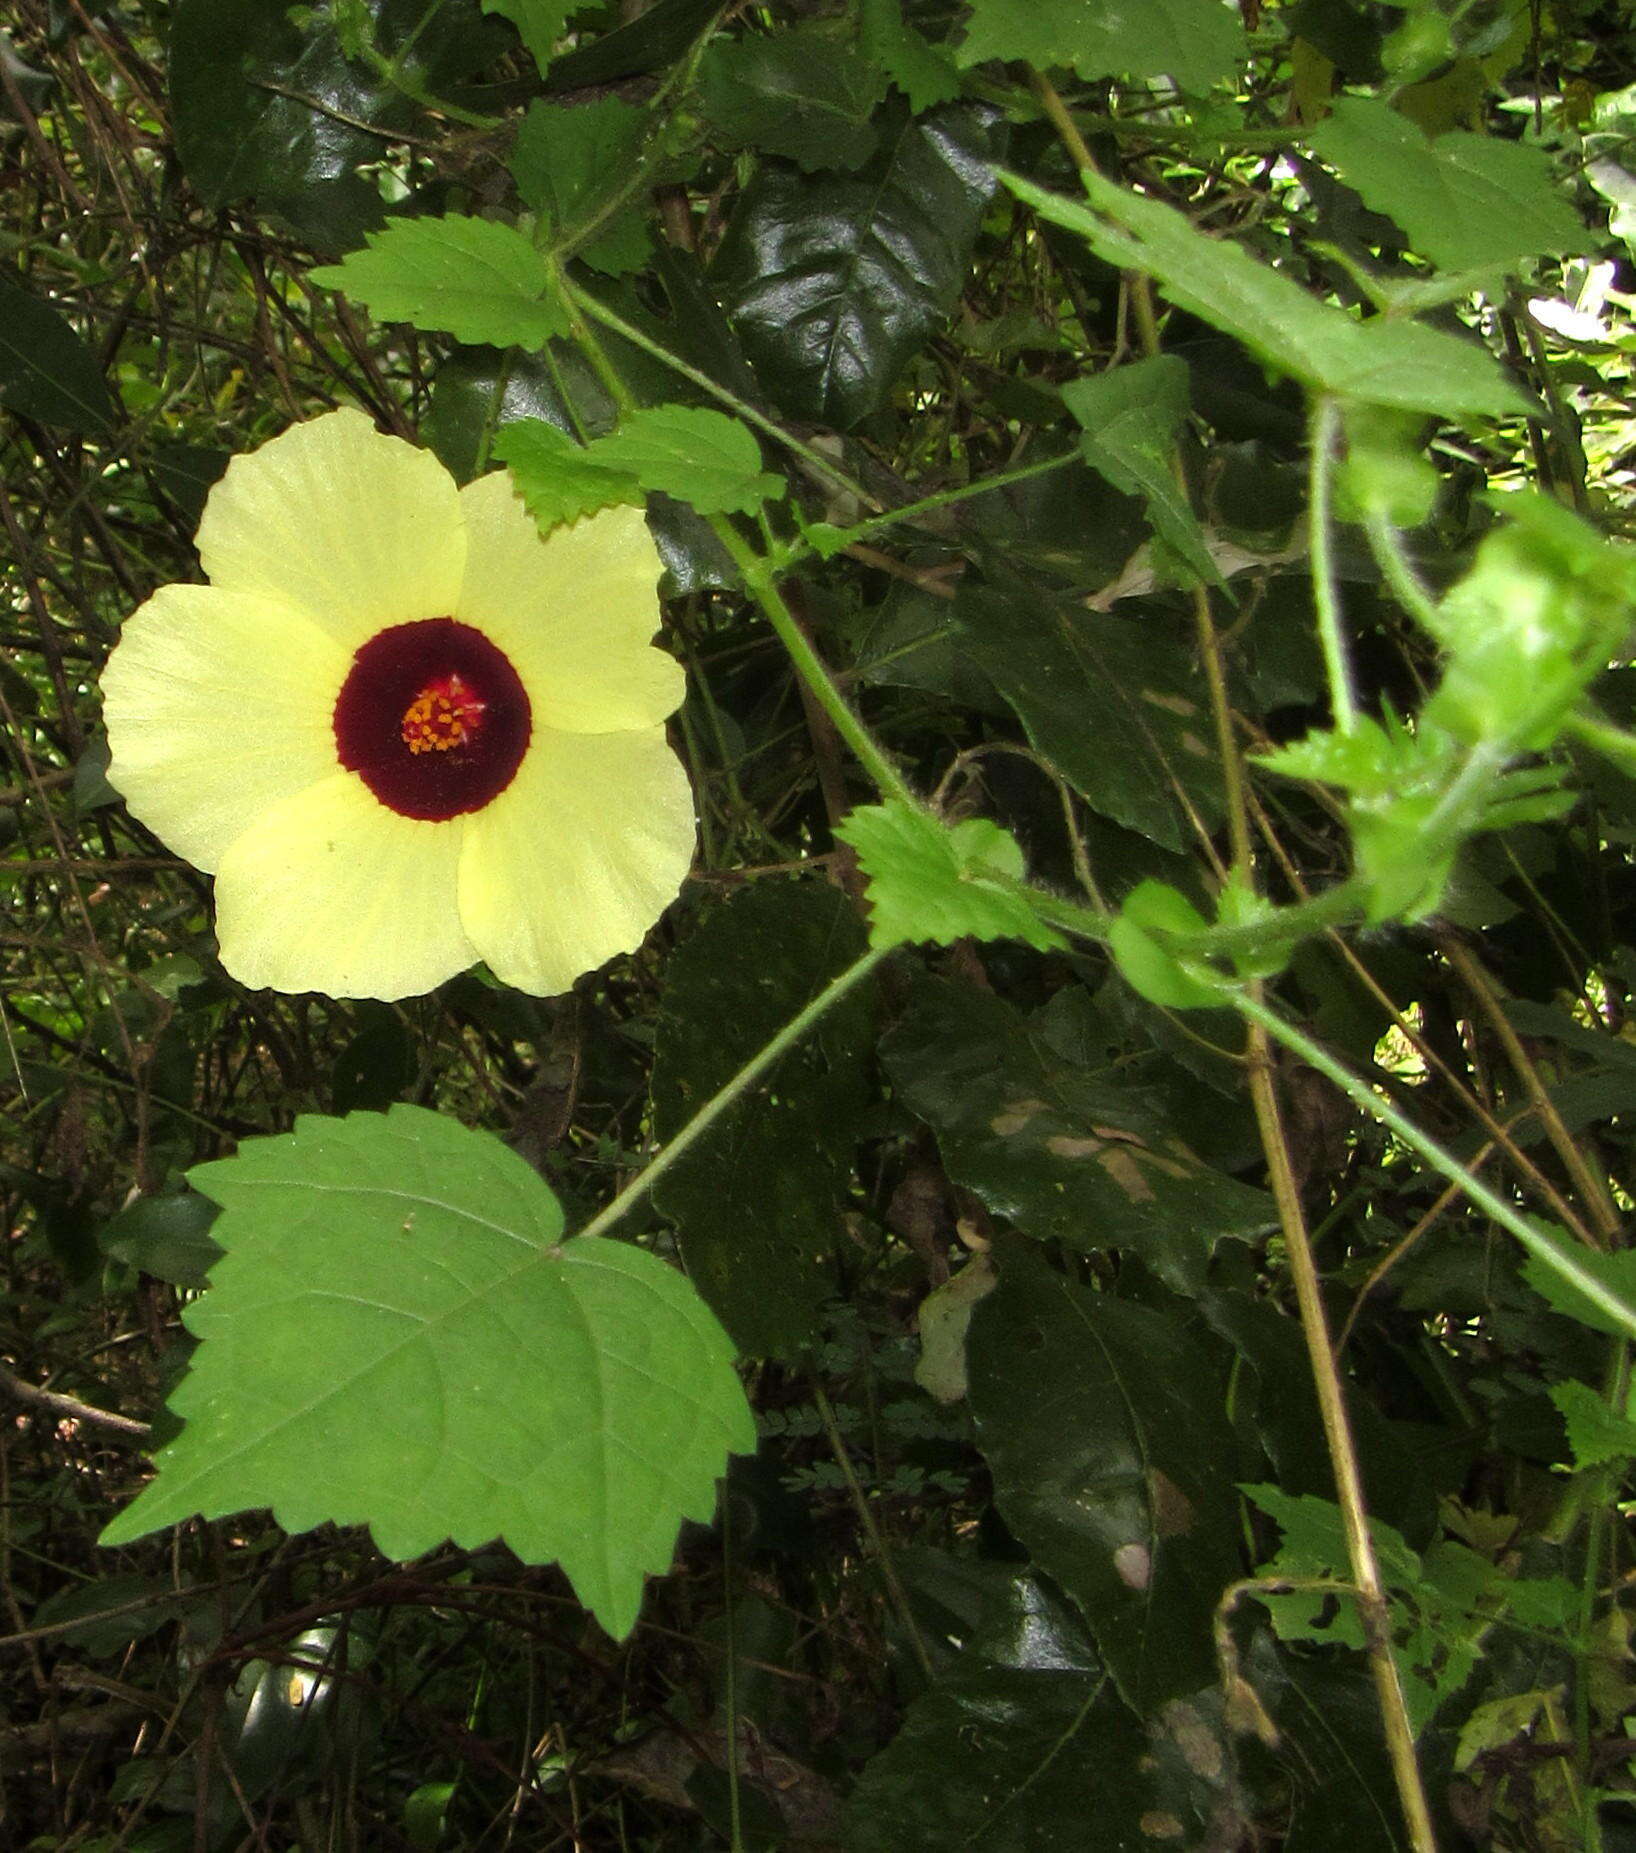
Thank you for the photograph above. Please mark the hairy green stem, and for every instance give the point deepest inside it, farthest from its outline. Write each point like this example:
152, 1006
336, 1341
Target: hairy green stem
719, 1102
1324, 430
761, 582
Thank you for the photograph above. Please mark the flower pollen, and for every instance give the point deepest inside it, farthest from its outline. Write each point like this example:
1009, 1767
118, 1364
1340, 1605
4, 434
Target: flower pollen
445, 714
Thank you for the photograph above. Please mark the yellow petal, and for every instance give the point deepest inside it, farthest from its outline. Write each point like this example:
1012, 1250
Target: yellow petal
575, 611
217, 705
330, 891
358, 529
577, 857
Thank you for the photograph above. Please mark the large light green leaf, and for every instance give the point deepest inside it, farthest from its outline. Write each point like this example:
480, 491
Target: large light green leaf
1196, 42
559, 478
398, 1336
758, 1201
1103, 1424
701, 457
1062, 1151
475, 279
1383, 361
1466, 201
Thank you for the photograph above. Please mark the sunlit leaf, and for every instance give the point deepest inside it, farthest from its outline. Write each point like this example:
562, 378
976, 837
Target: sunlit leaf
398, 1336
473, 278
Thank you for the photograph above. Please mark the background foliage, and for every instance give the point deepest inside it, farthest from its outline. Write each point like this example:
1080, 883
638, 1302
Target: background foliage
1160, 506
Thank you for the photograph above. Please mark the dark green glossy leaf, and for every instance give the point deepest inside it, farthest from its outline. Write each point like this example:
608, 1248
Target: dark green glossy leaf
480, 390
805, 93
97, 1627
646, 43
1103, 1425
1114, 703
1063, 1151
46, 371
758, 1200
267, 105
1005, 1750
834, 284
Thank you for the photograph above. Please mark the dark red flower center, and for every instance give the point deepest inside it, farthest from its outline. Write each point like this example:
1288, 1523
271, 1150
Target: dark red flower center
433, 718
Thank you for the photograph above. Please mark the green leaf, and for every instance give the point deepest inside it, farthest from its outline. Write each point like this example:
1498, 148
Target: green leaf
560, 479
1616, 1272
1002, 1752
834, 284
1102, 1424
398, 1336
150, 1603
929, 880
758, 1201
1131, 416
269, 103
703, 458
1063, 1151
540, 23
804, 93
1467, 201
1112, 702
1383, 361
571, 165
1150, 967
167, 1236
924, 72
1544, 606
475, 279
1595, 1433
1196, 42
648, 42
46, 371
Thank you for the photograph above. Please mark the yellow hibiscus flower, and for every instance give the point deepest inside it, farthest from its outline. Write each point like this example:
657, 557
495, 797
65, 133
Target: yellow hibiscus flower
402, 730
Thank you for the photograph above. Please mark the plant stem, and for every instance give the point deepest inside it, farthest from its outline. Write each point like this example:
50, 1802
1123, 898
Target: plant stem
866, 1518
1324, 429
1372, 1600
719, 1102
760, 581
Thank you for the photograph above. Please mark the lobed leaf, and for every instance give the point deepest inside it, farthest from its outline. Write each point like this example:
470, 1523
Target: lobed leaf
397, 1336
